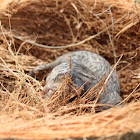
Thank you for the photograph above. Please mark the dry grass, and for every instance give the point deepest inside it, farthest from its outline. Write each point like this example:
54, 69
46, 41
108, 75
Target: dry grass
109, 29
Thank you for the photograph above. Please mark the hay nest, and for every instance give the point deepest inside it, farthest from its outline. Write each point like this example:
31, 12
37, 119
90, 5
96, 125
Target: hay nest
30, 33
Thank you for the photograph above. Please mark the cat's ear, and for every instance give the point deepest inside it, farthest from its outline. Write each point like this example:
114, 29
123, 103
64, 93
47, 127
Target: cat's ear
78, 81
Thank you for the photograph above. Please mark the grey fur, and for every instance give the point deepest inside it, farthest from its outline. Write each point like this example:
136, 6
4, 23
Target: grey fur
85, 66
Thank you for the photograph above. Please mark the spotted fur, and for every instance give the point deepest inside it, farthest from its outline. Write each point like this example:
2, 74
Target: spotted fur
83, 66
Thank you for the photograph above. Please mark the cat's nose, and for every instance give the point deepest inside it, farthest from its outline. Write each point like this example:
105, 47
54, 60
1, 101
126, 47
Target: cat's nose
45, 90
